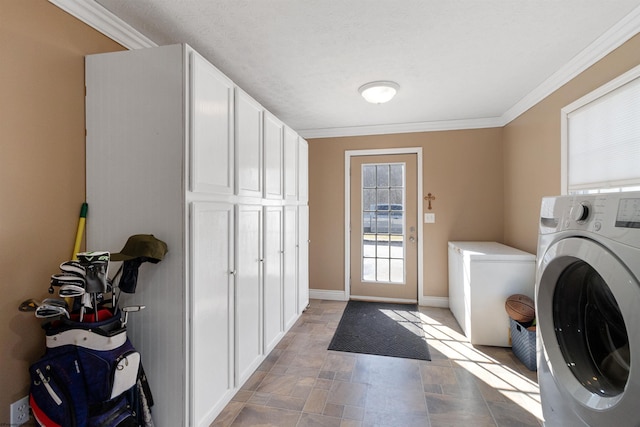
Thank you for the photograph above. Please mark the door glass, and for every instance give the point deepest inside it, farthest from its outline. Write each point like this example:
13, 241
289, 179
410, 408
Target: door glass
590, 330
383, 208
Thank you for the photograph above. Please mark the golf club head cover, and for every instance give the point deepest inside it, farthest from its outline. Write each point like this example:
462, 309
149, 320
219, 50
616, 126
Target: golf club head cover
129, 279
73, 267
96, 265
67, 279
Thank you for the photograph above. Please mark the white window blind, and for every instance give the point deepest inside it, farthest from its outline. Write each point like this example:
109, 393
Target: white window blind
602, 140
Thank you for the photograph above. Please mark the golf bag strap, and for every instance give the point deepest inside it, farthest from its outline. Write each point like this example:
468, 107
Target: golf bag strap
87, 339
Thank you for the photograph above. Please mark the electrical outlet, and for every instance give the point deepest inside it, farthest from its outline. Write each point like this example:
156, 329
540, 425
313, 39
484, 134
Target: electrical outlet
19, 411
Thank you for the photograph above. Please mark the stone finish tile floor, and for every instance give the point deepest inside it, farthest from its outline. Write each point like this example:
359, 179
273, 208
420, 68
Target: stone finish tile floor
301, 383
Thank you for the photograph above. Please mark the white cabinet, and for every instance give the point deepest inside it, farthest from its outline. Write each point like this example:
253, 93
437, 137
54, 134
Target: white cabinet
136, 173
174, 149
290, 164
248, 130
482, 275
212, 307
303, 170
273, 250
290, 309
248, 319
212, 156
273, 157
303, 257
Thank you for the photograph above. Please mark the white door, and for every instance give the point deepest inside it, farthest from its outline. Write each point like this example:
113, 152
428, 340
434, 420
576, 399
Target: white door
211, 309
303, 170
290, 265
273, 157
303, 257
248, 135
248, 309
273, 247
212, 155
290, 164
384, 228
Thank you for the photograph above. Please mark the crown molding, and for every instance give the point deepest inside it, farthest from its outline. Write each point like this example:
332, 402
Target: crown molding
443, 125
101, 19
98, 17
613, 38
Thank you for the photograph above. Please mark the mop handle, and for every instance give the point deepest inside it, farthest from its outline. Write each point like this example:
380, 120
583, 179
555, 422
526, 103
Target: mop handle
81, 221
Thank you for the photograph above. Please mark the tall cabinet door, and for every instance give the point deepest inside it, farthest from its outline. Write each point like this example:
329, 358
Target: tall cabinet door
290, 265
211, 154
211, 306
248, 145
303, 257
303, 170
248, 308
290, 164
273, 157
273, 249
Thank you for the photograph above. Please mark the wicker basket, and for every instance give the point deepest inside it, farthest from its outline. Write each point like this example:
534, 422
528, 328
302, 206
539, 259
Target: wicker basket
523, 344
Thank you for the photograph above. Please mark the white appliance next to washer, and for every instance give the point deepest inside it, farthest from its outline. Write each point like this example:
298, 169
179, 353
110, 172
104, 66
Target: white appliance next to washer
588, 310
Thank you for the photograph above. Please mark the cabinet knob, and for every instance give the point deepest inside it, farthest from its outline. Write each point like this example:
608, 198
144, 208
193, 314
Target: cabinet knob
233, 272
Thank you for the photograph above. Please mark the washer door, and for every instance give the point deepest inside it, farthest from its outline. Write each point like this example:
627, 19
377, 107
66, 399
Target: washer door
587, 309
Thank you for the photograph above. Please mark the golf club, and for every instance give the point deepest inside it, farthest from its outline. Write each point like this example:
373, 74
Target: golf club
32, 304
129, 309
47, 311
56, 301
29, 305
71, 291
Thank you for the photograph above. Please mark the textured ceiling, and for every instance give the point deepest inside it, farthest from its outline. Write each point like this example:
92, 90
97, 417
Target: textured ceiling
454, 60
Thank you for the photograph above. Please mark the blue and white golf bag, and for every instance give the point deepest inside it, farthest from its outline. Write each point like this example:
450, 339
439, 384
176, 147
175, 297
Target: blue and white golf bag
90, 375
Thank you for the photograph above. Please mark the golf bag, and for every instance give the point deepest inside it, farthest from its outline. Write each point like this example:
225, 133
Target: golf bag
90, 375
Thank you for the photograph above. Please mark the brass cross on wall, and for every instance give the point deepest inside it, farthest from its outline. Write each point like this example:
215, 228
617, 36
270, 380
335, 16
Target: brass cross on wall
429, 197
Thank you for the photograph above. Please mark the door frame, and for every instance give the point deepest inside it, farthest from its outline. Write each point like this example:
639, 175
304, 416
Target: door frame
348, 154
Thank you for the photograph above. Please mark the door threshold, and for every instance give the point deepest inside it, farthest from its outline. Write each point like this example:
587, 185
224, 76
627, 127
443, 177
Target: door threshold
383, 299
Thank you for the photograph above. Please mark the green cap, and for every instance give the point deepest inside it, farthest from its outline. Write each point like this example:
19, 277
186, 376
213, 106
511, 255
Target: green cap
142, 245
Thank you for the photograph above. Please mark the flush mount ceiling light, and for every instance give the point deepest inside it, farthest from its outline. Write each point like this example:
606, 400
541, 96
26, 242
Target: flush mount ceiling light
379, 92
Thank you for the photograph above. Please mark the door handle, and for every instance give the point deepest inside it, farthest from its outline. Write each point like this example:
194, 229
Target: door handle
412, 239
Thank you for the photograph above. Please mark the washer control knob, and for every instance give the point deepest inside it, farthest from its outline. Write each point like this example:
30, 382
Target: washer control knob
581, 212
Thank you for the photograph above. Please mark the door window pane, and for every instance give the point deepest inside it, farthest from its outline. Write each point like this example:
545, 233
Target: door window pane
369, 269
396, 270
383, 175
368, 176
383, 250
396, 175
369, 199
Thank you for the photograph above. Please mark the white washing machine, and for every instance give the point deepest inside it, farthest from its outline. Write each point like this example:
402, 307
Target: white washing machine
588, 310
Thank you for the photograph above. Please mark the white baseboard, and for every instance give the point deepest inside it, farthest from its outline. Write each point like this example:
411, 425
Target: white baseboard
380, 299
327, 295
441, 302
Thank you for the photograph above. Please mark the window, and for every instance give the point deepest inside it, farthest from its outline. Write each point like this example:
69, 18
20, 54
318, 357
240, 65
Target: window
601, 138
383, 205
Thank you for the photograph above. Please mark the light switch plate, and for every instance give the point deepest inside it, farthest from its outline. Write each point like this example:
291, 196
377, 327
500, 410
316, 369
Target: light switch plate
429, 218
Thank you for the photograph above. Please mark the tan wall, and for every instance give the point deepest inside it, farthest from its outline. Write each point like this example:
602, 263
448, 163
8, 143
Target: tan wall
532, 147
42, 168
463, 169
